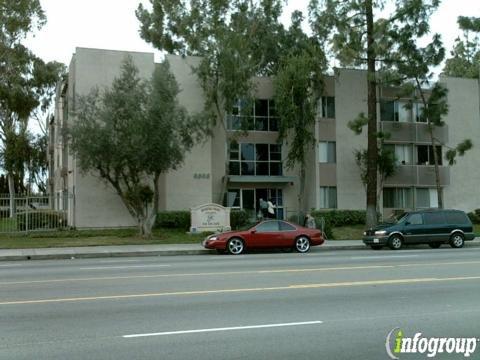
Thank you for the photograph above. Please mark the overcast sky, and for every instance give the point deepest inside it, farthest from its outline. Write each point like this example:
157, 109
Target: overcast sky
111, 24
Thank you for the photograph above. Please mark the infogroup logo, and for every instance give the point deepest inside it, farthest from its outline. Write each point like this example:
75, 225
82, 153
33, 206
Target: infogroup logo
397, 343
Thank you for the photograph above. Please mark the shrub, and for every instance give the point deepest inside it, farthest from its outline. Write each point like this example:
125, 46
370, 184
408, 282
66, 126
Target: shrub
474, 216
173, 220
238, 218
41, 219
181, 219
337, 218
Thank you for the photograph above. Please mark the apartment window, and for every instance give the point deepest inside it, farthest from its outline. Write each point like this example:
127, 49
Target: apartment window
400, 198
249, 199
395, 110
387, 110
327, 152
426, 198
259, 116
417, 109
425, 155
255, 159
403, 153
328, 197
328, 107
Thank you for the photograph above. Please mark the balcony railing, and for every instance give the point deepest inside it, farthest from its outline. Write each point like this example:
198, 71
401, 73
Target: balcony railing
252, 123
413, 132
419, 175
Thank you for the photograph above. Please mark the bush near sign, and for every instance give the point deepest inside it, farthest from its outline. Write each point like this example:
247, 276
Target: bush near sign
209, 217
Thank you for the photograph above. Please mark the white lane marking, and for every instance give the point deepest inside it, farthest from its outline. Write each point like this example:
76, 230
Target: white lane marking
222, 329
122, 267
10, 265
382, 257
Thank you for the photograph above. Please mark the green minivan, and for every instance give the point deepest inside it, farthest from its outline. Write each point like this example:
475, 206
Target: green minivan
433, 227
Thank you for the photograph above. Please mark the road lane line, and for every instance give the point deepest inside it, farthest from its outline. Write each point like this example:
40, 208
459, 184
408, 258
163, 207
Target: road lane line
122, 267
226, 273
244, 290
382, 257
182, 332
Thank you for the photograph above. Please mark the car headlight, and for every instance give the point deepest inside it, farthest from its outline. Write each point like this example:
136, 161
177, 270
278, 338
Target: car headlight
213, 238
364, 233
381, 232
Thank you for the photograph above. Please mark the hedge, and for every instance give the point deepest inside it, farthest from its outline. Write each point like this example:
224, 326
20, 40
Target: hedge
474, 216
41, 219
181, 219
338, 218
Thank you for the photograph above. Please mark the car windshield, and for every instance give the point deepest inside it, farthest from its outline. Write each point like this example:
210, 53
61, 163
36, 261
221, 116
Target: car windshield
396, 218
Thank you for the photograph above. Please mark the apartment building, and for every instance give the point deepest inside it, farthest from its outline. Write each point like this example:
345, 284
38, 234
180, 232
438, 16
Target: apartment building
236, 169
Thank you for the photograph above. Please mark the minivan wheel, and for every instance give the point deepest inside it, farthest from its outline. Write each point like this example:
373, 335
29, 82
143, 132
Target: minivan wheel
457, 240
395, 242
235, 246
435, 245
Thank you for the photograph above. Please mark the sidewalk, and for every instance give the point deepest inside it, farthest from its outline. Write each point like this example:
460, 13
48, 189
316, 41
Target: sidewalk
156, 250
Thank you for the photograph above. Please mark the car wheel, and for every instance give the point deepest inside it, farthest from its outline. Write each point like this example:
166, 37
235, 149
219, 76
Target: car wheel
457, 240
395, 242
376, 247
435, 245
302, 244
235, 246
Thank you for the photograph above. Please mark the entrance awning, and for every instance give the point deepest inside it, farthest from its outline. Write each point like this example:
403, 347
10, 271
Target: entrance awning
237, 179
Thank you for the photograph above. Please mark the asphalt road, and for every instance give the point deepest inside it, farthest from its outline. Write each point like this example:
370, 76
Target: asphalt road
321, 305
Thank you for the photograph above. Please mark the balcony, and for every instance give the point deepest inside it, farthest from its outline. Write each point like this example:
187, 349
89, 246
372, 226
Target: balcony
419, 175
412, 132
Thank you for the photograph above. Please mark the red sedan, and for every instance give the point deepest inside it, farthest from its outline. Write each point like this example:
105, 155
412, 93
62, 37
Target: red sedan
266, 234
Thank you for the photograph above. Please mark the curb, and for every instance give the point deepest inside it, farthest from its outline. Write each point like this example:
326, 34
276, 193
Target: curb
105, 254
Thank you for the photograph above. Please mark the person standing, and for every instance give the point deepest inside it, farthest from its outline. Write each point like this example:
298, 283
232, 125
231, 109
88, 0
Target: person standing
263, 207
270, 209
310, 222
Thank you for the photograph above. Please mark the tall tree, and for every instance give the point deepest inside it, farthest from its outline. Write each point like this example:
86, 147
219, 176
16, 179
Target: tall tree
359, 37
131, 133
298, 85
24, 79
412, 65
236, 41
465, 56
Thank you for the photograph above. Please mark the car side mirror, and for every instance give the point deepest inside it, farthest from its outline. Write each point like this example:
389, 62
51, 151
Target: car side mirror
253, 231
407, 222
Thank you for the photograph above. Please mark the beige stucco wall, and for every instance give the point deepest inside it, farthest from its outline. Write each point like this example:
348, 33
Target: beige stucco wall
463, 123
182, 187
350, 100
96, 204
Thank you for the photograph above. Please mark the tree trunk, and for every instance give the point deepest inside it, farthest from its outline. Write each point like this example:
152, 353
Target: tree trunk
437, 169
11, 191
372, 150
435, 157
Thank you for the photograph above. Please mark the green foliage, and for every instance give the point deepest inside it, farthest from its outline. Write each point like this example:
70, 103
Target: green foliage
338, 218
465, 56
26, 84
35, 220
131, 133
238, 219
235, 39
173, 220
181, 219
474, 216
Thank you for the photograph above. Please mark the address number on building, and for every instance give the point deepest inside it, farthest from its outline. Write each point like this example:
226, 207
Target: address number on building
201, 176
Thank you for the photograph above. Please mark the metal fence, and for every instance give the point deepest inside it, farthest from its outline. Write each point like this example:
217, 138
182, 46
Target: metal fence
33, 212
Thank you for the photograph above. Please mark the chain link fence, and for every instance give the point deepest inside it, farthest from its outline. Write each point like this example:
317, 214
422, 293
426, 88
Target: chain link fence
33, 212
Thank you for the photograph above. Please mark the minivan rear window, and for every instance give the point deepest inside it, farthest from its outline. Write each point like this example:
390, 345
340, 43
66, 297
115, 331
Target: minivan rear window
434, 218
456, 217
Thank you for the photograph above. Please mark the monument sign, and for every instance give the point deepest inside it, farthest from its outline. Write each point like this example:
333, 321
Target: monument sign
209, 217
